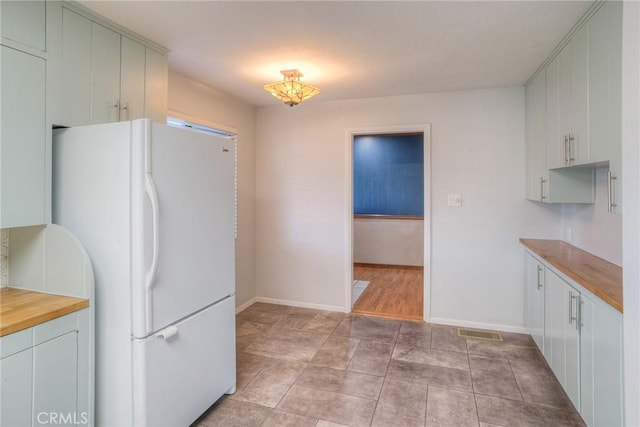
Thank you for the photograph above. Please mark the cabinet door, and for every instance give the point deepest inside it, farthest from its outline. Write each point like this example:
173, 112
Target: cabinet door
563, 335
555, 136
16, 372
76, 69
601, 365
605, 86
536, 136
534, 299
24, 22
23, 139
55, 390
105, 80
579, 130
132, 74
155, 94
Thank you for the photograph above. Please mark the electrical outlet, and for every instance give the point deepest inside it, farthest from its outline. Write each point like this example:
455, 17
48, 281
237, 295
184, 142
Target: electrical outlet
454, 200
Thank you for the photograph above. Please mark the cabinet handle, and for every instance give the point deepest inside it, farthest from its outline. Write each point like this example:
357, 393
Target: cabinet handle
571, 139
571, 316
566, 143
610, 178
540, 270
126, 109
542, 196
579, 314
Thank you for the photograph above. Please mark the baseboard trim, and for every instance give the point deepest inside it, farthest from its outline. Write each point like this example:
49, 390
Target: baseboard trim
246, 305
405, 267
479, 325
300, 304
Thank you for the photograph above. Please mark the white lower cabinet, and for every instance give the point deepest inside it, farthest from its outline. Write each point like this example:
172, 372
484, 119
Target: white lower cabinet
562, 334
601, 364
534, 299
42, 379
581, 340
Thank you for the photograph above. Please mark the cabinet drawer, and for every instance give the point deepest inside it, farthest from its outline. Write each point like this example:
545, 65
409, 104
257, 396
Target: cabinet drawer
55, 328
15, 342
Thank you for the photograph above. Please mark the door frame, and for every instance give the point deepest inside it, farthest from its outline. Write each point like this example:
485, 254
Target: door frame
425, 128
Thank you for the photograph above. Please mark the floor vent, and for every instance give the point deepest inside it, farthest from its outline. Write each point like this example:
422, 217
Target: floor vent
473, 333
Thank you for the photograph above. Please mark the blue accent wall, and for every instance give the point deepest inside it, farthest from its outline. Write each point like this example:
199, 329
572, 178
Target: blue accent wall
388, 175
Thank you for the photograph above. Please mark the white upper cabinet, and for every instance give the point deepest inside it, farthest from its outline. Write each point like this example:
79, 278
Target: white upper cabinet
132, 83
76, 69
156, 81
105, 79
567, 104
605, 95
23, 22
108, 76
23, 142
536, 137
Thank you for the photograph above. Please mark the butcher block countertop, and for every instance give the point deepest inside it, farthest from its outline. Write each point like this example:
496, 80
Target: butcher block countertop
21, 309
600, 277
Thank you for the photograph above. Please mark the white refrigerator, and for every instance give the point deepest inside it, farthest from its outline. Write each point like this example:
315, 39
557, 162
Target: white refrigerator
154, 207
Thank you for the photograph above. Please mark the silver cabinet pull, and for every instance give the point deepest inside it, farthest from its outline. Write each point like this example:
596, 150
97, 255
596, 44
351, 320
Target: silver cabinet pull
540, 270
571, 139
126, 109
566, 143
542, 181
571, 316
610, 178
579, 304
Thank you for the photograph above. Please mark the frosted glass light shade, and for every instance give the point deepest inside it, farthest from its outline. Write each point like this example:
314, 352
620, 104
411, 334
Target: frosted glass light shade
291, 90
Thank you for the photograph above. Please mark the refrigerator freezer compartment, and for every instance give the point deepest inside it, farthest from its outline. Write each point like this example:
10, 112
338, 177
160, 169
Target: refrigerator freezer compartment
181, 368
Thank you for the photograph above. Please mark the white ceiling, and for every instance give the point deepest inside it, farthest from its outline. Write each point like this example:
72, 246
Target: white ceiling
355, 49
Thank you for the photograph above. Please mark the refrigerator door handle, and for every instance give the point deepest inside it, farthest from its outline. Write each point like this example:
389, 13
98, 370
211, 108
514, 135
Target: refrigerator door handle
150, 276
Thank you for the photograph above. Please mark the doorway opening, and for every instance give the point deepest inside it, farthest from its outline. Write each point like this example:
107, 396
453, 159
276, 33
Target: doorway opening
389, 222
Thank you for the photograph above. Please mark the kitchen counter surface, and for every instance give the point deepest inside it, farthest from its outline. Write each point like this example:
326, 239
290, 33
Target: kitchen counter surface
600, 277
21, 309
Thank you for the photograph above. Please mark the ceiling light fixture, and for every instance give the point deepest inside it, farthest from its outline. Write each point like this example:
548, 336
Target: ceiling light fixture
291, 90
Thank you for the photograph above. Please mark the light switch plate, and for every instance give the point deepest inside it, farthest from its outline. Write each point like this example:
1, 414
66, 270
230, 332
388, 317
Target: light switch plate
454, 200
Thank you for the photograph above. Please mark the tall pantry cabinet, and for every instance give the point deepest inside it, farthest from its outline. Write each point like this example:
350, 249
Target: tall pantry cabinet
25, 136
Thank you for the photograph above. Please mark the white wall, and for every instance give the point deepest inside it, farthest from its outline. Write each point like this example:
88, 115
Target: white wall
593, 228
303, 182
4, 257
199, 101
631, 207
388, 241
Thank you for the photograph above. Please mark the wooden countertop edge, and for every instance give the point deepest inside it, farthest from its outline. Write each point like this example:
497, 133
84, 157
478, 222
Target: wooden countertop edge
38, 317
613, 300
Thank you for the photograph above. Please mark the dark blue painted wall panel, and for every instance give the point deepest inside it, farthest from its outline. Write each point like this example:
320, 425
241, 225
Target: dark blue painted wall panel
388, 175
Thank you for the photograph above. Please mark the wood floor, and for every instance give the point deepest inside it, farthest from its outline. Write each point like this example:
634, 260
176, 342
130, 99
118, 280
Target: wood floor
393, 292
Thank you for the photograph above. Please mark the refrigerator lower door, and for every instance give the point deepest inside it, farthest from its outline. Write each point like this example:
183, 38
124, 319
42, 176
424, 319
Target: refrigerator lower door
180, 371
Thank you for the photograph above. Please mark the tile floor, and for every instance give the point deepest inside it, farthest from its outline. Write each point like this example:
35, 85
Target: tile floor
302, 367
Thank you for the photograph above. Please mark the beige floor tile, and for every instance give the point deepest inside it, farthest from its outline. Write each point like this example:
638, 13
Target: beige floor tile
340, 381
446, 338
411, 353
507, 412
369, 328
401, 403
296, 320
336, 352
234, 413
329, 406
323, 323
538, 384
247, 367
503, 350
285, 419
265, 317
271, 383
323, 423
450, 407
287, 344
371, 357
456, 379
493, 377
